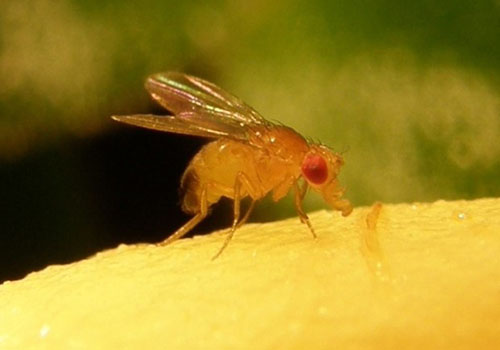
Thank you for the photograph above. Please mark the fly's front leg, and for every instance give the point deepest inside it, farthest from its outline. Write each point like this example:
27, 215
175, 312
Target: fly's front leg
241, 179
299, 196
195, 220
303, 190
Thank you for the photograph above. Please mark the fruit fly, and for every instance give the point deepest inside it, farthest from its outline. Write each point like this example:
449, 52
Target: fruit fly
250, 156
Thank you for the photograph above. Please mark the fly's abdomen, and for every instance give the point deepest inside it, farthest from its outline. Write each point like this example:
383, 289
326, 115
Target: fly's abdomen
216, 168
190, 192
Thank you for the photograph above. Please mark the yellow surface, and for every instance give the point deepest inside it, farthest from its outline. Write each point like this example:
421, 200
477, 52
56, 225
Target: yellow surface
410, 275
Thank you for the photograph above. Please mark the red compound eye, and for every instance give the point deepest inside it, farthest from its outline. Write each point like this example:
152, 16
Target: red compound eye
314, 169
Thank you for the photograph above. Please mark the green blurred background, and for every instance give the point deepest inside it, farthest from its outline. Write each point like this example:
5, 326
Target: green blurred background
407, 91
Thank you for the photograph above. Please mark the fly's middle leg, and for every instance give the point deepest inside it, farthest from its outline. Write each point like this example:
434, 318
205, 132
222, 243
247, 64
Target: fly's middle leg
241, 180
195, 220
247, 214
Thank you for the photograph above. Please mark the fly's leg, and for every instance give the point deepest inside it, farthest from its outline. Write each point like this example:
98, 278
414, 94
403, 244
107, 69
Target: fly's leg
240, 179
195, 220
247, 214
303, 190
299, 196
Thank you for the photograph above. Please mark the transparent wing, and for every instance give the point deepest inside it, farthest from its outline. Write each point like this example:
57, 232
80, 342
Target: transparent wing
200, 108
179, 92
183, 125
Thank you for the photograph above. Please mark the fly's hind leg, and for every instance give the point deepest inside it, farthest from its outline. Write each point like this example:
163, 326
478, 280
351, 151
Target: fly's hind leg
247, 214
195, 220
299, 196
240, 180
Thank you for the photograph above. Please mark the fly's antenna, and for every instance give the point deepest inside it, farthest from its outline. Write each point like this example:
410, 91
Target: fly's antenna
344, 150
310, 140
276, 122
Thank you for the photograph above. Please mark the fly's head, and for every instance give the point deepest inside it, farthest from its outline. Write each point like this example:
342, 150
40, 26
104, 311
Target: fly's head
320, 168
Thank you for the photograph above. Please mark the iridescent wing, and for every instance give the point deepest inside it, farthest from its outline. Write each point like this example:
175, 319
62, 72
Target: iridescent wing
200, 108
180, 125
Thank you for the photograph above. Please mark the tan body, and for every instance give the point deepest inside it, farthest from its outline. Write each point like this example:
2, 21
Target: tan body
223, 164
233, 169
250, 157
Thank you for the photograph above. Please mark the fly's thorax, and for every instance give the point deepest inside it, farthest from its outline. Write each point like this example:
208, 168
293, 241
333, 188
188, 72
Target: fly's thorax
280, 142
281, 153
